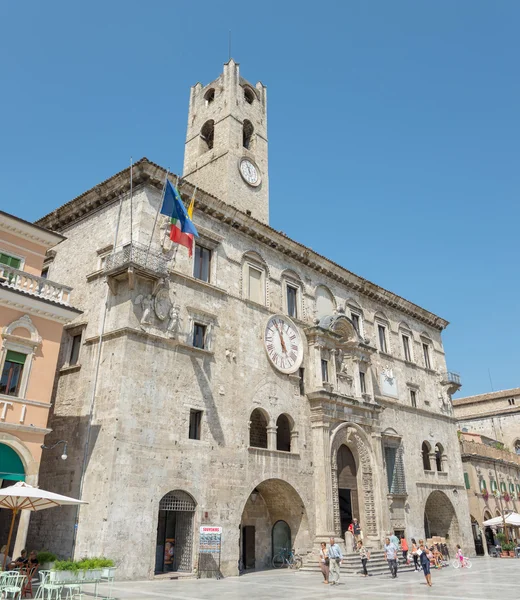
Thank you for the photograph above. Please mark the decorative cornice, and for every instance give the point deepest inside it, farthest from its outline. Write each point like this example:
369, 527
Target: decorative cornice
149, 173
29, 231
46, 309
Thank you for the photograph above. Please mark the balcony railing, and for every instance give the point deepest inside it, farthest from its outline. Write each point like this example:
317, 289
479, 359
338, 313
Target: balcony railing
137, 255
39, 287
450, 377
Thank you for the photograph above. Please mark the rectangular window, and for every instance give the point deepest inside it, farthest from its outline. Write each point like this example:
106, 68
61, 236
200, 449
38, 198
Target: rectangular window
426, 352
301, 374
195, 421
292, 301
413, 398
483, 486
12, 373
406, 348
199, 336
493, 485
355, 322
466, 481
390, 456
202, 263
381, 329
362, 382
45, 273
324, 370
74, 349
255, 285
10, 261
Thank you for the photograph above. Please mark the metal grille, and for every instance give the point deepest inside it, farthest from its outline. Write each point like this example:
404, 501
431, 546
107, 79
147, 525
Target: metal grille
137, 254
179, 501
183, 541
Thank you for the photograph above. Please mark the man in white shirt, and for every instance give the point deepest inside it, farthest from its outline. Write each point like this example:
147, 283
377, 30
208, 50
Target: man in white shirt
391, 556
335, 560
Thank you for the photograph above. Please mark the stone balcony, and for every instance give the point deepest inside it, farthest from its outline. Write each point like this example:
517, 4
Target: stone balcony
39, 287
451, 381
134, 259
483, 450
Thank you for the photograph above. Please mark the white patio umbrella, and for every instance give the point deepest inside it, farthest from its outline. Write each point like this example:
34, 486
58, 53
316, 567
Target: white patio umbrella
512, 519
22, 496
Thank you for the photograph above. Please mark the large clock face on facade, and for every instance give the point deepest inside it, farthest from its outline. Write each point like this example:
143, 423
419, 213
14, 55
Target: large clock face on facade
283, 344
249, 171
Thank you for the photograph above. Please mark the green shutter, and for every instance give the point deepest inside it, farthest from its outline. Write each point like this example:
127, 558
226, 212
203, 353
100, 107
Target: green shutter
503, 487
16, 357
11, 466
466, 481
10, 261
482, 485
493, 485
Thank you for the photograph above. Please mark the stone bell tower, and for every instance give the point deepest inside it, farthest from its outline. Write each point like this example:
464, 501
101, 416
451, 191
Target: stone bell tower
226, 142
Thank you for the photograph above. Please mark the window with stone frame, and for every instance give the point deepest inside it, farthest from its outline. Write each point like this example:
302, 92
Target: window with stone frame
324, 370
283, 433
427, 353
201, 326
292, 300
247, 134
407, 347
439, 451
466, 481
395, 469
362, 382
202, 263
12, 371
207, 136
255, 283
199, 336
195, 424
382, 337
258, 429
425, 451
413, 398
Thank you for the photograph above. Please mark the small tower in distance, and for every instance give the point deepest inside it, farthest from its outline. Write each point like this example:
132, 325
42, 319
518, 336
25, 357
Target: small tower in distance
226, 142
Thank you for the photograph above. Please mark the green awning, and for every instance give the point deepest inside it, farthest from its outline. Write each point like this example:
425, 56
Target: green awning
11, 466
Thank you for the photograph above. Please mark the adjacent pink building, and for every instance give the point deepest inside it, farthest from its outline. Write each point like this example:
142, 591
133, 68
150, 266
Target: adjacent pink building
33, 311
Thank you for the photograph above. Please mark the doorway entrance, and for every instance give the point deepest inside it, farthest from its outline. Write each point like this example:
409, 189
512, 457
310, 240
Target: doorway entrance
248, 547
281, 537
175, 533
347, 488
440, 519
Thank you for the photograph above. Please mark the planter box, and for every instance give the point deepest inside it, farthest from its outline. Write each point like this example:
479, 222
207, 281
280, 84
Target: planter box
108, 572
57, 576
48, 566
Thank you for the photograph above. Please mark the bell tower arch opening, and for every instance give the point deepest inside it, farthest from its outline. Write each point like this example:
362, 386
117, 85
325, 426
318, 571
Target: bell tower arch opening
226, 143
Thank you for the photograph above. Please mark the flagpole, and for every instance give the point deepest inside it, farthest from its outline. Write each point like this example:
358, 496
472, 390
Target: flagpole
157, 215
131, 198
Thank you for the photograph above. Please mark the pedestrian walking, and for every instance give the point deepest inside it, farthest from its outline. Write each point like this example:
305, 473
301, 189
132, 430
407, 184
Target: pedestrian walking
335, 560
324, 562
425, 562
356, 530
404, 549
364, 554
390, 551
415, 554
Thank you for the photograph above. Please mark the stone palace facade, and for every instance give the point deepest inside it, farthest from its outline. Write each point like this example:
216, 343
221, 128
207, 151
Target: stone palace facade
258, 387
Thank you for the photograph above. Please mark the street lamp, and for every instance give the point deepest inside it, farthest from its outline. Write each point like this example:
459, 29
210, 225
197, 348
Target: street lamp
64, 456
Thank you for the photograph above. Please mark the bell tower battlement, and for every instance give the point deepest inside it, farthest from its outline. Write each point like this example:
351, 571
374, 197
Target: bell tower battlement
226, 142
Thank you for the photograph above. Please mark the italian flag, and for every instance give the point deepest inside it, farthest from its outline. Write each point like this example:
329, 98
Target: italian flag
182, 229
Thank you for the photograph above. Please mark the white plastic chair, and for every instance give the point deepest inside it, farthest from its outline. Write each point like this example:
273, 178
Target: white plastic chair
11, 584
48, 589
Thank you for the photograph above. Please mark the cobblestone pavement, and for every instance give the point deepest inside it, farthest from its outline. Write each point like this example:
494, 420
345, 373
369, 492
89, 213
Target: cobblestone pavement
489, 578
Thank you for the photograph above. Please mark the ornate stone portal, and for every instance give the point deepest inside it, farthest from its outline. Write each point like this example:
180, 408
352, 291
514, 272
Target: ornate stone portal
350, 436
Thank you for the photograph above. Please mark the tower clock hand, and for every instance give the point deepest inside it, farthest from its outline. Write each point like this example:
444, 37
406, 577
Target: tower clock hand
284, 348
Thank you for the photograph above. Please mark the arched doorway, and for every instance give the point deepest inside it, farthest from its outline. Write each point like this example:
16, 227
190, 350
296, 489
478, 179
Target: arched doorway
347, 487
274, 517
477, 537
440, 518
175, 533
488, 532
281, 537
11, 471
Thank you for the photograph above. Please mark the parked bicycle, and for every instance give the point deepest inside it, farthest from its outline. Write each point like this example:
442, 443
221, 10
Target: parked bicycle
287, 557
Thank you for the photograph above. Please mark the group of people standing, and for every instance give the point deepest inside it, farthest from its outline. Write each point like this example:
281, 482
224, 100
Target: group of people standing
331, 557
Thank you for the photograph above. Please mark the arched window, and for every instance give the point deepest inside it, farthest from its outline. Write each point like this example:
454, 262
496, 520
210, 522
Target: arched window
283, 434
517, 446
426, 456
247, 134
438, 456
249, 95
258, 429
209, 96
207, 134
325, 303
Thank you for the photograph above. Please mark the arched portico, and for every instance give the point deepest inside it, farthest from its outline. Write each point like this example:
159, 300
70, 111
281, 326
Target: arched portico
354, 438
271, 504
440, 519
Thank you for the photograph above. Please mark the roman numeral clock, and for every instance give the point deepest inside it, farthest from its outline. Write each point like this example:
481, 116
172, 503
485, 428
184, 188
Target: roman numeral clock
283, 344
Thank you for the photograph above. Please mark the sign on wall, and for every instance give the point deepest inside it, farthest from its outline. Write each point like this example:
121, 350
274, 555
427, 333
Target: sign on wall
210, 539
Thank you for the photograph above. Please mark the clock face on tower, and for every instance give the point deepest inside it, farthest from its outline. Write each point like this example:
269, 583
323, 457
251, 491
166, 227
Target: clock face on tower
283, 344
249, 171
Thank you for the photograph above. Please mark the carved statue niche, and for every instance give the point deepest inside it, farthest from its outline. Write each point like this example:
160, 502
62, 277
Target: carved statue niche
146, 301
173, 322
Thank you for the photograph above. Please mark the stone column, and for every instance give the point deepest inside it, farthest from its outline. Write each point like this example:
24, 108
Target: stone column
271, 437
322, 472
294, 441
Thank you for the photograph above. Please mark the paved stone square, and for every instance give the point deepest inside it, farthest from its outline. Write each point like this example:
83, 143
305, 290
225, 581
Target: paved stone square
489, 578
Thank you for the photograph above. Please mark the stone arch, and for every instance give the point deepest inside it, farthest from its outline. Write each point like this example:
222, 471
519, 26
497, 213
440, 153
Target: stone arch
439, 453
324, 300
30, 465
284, 427
248, 131
209, 96
207, 136
341, 325
270, 501
258, 424
26, 323
426, 450
352, 436
440, 518
249, 94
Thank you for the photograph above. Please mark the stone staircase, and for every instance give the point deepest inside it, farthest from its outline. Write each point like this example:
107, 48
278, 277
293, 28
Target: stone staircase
351, 566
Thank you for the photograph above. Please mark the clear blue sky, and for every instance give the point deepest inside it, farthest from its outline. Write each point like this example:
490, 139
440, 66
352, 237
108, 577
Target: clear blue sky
393, 127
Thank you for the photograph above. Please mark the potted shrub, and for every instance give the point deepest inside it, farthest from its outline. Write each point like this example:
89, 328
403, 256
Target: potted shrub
84, 569
508, 549
46, 560
66, 570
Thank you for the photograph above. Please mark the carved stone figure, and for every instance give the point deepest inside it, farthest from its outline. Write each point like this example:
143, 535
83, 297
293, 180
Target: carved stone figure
147, 306
162, 304
173, 323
